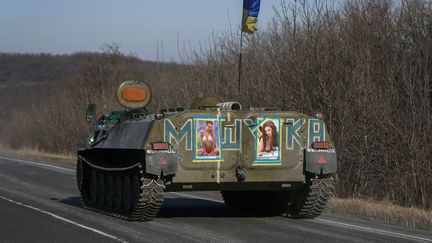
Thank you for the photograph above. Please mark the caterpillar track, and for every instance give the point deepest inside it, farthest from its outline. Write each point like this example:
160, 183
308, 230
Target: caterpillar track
308, 202
127, 194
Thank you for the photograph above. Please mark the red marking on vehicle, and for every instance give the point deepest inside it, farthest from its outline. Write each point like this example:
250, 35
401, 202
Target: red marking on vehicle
162, 161
160, 146
321, 160
320, 145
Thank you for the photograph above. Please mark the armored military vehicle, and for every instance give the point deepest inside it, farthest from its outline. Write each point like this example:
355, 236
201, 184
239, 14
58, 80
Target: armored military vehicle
259, 158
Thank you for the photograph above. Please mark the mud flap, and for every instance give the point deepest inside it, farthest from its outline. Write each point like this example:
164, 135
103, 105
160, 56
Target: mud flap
161, 162
320, 161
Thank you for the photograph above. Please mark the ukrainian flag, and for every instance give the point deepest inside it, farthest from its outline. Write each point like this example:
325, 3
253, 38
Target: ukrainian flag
250, 15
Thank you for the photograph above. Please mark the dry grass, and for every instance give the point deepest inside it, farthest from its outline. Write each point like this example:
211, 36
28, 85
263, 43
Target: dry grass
37, 155
384, 212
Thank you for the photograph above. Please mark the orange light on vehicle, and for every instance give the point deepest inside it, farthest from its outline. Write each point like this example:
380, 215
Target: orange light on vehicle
134, 94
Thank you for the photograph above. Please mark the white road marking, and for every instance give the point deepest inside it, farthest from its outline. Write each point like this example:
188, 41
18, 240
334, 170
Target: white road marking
38, 164
385, 232
65, 220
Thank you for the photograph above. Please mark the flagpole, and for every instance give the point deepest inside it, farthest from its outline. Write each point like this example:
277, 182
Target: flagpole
240, 63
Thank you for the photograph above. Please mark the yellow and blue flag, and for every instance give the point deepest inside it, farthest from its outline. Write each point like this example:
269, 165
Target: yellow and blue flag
250, 15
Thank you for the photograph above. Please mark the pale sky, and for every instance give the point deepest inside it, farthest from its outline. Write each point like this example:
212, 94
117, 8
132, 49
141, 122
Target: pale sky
60, 26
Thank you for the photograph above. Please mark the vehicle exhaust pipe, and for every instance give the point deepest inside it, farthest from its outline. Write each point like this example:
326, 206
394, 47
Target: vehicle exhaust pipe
230, 106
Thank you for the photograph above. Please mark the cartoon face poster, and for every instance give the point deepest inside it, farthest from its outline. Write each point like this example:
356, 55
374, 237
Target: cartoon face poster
268, 141
207, 139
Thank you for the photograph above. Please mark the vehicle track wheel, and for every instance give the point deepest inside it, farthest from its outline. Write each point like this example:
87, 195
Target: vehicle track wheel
310, 201
109, 190
79, 174
126, 204
93, 186
100, 188
136, 190
117, 192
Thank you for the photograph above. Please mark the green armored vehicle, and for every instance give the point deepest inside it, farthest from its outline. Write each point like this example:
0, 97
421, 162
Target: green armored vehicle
259, 158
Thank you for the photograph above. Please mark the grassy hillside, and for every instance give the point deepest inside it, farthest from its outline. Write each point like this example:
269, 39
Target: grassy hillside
44, 97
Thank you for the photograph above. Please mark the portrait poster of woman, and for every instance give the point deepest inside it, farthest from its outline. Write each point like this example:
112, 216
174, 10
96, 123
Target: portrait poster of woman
207, 140
268, 141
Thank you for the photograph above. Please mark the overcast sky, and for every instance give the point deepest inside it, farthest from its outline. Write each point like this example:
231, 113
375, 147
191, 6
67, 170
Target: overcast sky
67, 26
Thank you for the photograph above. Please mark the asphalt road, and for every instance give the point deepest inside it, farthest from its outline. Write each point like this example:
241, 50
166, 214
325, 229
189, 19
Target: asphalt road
40, 203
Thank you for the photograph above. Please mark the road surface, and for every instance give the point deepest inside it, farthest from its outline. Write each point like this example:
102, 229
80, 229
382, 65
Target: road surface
39, 202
